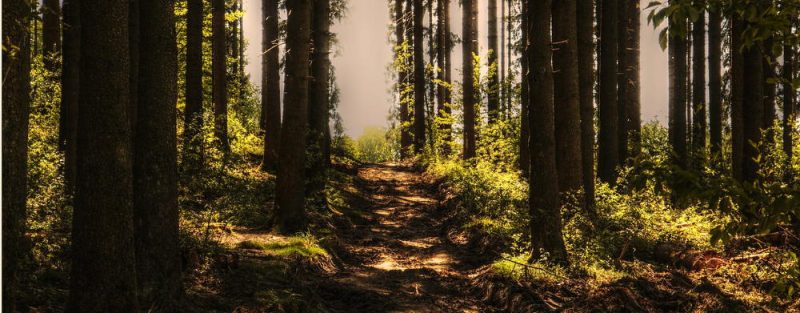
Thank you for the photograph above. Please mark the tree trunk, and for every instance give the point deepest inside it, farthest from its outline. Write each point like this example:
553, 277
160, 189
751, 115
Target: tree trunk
493, 101
715, 79
193, 152
737, 98
699, 85
405, 118
318, 96
419, 79
290, 186
70, 79
51, 32
788, 101
608, 138
470, 48
155, 182
524, 128
770, 94
585, 18
502, 66
630, 105
753, 109
133, 48
242, 77
15, 108
543, 192
270, 84
677, 90
443, 60
103, 277
566, 95
622, 82
219, 76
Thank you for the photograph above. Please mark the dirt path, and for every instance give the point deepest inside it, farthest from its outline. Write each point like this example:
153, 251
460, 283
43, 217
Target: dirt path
397, 257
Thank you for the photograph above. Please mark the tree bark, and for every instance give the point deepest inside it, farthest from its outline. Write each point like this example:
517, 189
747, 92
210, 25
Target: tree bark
290, 211
566, 95
630, 103
585, 19
699, 84
51, 32
493, 101
715, 79
219, 74
737, 98
70, 80
319, 94
788, 101
470, 47
753, 109
193, 152
677, 89
524, 128
406, 139
770, 94
419, 78
103, 277
443, 60
155, 181
15, 110
270, 84
544, 204
608, 139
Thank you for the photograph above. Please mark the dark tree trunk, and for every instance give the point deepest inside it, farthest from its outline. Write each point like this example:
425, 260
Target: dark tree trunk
103, 277
566, 95
524, 127
406, 77
753, 109
585, 18
318, 118
70, 79
770, 94
242, 77
630, 123
470, 47
493, 101
622, 82
788, 100
419, 78
51, 32
193, 152
233, 38
715, 79
155, 182
543, 192
133, 48
290, 212
270, 84
608, 145
219, 75
699, 84
443, 60
737, 99
16, 106
677, 89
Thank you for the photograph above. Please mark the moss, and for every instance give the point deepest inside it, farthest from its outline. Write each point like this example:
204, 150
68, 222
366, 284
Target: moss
303, 246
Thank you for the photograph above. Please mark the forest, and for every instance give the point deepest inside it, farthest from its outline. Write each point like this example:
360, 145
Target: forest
143, 170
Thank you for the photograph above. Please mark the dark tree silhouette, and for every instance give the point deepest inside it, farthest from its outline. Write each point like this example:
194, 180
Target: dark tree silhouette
543, 192
470, 47
524, 129
51, 32
737, 98
699, 84
290, 186
406, 77
270, 82
629, 109
493, 98
103, 277
444, 46
155, 182
677, 88
585, 13
419, 78
566, 95
16, 106
753, 98
608, 137
788, 99
70, 80
219, 74
318, 113
193, 152
715, 79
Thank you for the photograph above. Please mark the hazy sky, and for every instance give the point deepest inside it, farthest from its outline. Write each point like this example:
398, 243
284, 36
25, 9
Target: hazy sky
364, 53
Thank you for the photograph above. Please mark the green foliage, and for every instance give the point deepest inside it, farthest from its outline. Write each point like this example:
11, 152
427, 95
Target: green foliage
373, 146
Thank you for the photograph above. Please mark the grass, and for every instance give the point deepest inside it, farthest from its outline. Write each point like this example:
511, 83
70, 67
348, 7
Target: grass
303, 246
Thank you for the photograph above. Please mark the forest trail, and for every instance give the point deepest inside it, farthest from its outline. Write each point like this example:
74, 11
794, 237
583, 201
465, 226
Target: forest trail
398, 258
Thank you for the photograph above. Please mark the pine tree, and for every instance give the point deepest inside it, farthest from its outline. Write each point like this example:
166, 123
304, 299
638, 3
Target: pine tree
493, 101
51, 32
270, 84
566, 95
524, 129
715, 79
585, 13
470, 48
677, 88
219, 74
70, 80
318, 116
419, 79
788, 99
444, 47
608, 140
699, 84
193, 152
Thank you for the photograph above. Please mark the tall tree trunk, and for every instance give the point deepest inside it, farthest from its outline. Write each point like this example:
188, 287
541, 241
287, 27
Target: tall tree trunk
402, 75
715, 79
430, 103
193, 152
443, 60
585, 25
788, 101
566, 94
622, 82
770, 94
70, 78
737, 98
502, 66
544, 206
406, 139
51, 32
677, 89
290, 213
318, 96
524, 128
233, 38
270, 84
155, 182
241, 57
103, 277
630, 123
133, 73
219, 76
470, 48
608, 138
753, 109
493, 101
699, 84
419, 78
15, 108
